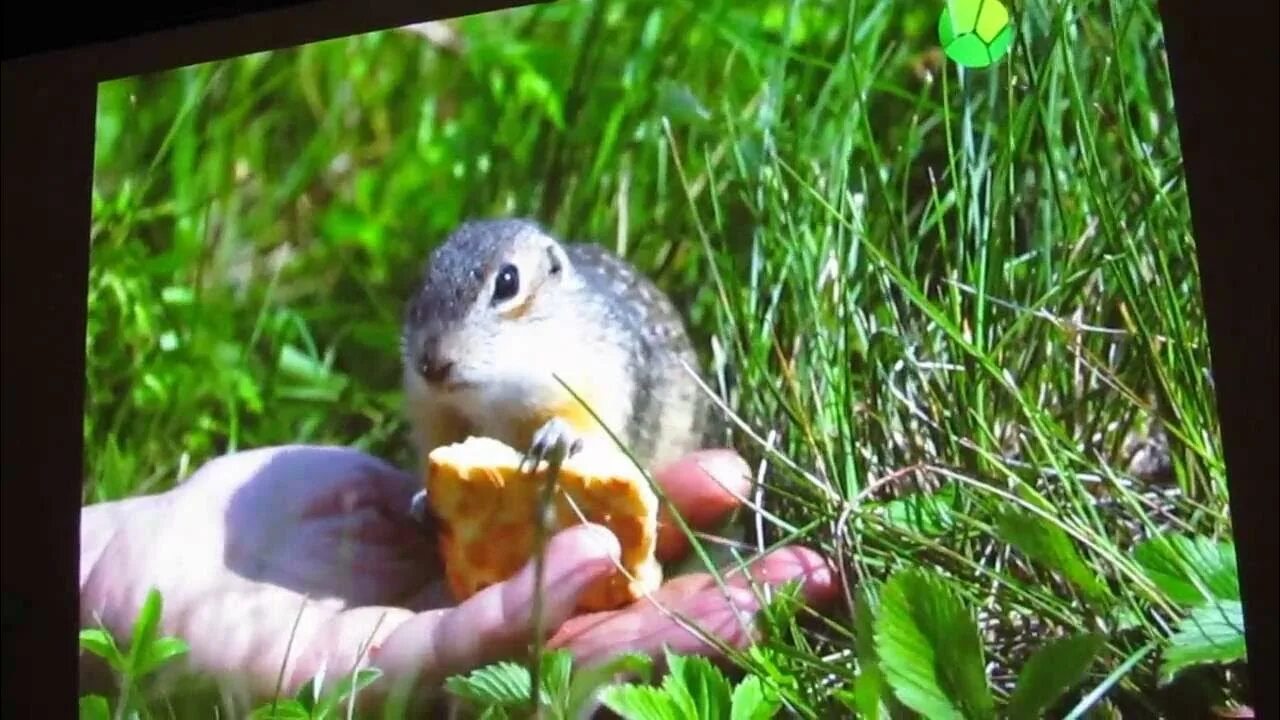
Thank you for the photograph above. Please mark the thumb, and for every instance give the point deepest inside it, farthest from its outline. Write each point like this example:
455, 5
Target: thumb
498, 622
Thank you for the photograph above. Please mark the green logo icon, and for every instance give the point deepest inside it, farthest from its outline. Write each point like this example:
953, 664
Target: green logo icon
975, 33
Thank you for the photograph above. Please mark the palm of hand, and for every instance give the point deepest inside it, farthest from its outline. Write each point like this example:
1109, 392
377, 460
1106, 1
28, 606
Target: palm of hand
306, 557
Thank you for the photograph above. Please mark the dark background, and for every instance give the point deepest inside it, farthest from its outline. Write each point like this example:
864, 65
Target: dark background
30, 29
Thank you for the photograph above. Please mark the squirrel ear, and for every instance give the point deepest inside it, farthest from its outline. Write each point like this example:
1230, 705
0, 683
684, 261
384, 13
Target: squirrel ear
556, 262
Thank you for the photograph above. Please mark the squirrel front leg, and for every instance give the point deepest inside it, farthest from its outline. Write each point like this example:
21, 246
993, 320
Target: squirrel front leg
560, 431
433, 425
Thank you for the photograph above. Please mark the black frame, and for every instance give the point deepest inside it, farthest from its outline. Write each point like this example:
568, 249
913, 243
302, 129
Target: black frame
1222, 62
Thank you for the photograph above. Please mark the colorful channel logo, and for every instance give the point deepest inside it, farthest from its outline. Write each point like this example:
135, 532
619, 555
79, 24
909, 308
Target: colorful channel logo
975, 33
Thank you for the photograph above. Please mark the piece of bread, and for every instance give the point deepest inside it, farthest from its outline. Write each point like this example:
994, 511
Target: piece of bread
486, 509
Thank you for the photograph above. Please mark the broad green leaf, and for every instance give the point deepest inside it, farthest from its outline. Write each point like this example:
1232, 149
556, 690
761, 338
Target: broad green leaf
1181, 565
1049, 545
504, 683
309, 694
348, 686
865, 697
775, 668
1212, 633
100, 643
94, 707
925, 514
587, 680
557, 667
753, 700
930, 650
642, 702
161, 651
1051, 671
697, 687
868, 688
283, 709
145, 628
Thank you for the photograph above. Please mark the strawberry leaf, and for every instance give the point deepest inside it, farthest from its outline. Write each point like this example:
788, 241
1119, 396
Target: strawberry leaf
161, 651
753, 700
285, 709
1051, 671
930, 650
1190, 570
697, 687
94, 707
1213, 633
586, 681
1049, 545
100, 643
505, 684
641, 702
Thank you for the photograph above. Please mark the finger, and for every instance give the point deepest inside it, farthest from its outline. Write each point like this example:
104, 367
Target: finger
704, 486
817, 576
775, 568
725, 614
725, 617
498, 621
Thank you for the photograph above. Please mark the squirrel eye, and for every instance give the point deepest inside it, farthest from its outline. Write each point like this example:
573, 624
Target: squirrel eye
507, 283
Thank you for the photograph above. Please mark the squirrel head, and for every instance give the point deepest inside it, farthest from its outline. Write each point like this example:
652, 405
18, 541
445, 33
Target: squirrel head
487, 306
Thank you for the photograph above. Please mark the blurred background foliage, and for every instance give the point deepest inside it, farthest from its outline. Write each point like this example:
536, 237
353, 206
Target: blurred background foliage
258, 222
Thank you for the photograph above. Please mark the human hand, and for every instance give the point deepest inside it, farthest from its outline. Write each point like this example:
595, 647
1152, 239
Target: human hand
304, 557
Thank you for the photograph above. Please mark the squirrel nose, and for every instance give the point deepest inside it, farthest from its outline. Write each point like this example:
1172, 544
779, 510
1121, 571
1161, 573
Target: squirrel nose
435, 369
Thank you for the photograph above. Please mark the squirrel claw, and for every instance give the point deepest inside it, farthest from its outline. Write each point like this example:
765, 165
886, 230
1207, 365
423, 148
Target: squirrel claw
418, 507
554, 442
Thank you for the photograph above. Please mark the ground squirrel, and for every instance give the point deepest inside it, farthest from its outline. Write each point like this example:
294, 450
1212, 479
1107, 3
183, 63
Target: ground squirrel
504, 308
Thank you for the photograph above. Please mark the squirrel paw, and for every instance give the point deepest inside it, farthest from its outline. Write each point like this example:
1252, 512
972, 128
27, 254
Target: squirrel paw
418, 507
554, 442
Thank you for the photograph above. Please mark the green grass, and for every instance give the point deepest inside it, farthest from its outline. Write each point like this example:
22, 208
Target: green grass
981, 283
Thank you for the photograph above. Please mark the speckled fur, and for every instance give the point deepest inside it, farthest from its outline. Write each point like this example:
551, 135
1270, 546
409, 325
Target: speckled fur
598, 323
